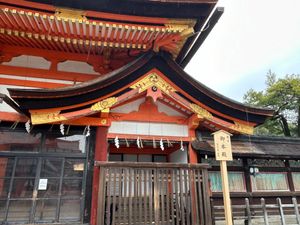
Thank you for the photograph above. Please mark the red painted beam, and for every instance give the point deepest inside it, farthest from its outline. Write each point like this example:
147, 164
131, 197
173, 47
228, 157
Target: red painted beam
30, 83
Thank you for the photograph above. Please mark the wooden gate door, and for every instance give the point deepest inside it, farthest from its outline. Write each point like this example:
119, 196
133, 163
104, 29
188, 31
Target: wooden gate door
153, 193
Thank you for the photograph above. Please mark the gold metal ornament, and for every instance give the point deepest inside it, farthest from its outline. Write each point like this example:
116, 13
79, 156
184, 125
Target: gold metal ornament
104, 105
49, 117
202, 113
103, 121
242, 128
70, 14
153, 80
178, 25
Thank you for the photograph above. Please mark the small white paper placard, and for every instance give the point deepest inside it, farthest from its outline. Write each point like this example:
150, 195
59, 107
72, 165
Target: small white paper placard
43, 184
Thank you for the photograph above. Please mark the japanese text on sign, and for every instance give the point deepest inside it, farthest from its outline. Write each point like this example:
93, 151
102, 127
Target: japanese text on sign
222, 145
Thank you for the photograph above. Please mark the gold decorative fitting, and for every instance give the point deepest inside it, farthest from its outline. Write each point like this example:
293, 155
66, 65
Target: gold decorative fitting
50, 117
153, 80
103, 121
187, 33
70, 14
177, 25
188, 22
242, 128
202, 113
104, 105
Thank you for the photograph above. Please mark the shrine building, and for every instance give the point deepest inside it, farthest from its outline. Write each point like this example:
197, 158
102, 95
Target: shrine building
101, 125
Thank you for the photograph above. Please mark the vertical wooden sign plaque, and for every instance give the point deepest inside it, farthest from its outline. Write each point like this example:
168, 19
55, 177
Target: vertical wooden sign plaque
223, 153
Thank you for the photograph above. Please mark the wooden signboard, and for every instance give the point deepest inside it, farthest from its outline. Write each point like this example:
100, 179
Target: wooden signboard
222, 145
223, 153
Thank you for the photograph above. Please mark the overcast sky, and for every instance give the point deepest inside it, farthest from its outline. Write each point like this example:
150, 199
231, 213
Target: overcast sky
251, 37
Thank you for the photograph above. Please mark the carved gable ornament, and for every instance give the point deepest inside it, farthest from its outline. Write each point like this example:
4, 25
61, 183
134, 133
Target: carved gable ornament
104, 105
56, 116
47, 117
153, 80
70, 14
242, 128
238, 127
202, 113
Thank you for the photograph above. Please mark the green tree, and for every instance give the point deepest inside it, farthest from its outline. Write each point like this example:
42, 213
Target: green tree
282, 95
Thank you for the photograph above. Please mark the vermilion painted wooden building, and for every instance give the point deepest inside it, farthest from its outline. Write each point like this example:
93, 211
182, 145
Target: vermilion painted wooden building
98, 116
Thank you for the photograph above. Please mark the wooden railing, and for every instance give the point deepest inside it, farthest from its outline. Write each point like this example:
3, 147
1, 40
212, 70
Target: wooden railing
153, 194
262, 214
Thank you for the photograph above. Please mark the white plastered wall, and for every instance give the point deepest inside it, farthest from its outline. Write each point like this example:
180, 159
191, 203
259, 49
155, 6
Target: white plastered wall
148, 128
29, 61
130, 107
169, 111
76, 67
37, 62
134, 106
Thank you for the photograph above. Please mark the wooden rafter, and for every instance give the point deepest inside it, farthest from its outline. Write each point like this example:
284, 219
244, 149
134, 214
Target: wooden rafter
175, 106
78, 35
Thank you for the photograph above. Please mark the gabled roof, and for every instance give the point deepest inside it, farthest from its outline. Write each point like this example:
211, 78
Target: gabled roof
120, 81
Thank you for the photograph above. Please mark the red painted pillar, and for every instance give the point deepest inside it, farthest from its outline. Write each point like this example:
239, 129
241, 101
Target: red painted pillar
192, 154
193, 158
100, 155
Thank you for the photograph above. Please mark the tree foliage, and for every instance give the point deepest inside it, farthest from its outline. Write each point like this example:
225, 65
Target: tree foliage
282, 95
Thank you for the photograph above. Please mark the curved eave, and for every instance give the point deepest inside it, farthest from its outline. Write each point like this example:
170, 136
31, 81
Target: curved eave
142, 12
198, 86
119, 80
193, 43
146, 8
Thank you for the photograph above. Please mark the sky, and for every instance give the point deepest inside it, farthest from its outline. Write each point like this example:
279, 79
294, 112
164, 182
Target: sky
251, 38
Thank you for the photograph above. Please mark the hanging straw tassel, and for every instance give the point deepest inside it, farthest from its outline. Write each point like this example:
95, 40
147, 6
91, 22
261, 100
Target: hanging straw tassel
68, 129
127, 143
181, 146
84, 131
27, 126
142, 146
117, 143
62, 129
161, 143
88, 131
169, 143
154, 143
138, 142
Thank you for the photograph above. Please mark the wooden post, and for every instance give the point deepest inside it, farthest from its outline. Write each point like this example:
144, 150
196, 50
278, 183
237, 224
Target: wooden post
226, 197
100, 155
224, 153
248, 210
264, 208
193, 158
294, 199
282, 218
